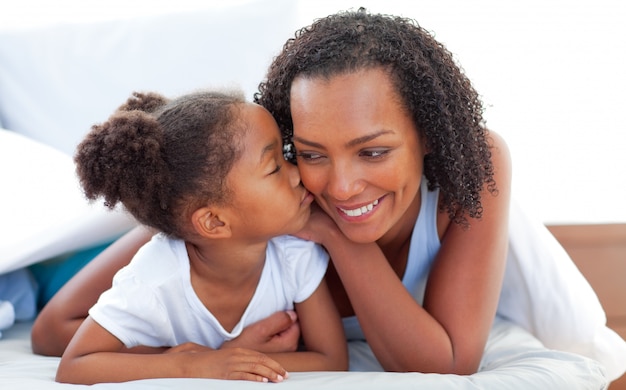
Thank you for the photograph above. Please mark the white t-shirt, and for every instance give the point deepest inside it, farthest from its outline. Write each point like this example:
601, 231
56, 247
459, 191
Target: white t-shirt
152, 302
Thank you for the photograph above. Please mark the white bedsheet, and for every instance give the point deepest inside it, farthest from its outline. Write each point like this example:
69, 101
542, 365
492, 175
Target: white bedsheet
513, 360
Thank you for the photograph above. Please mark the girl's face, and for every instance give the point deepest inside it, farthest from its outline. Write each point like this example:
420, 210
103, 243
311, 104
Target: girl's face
358, 152
269, 199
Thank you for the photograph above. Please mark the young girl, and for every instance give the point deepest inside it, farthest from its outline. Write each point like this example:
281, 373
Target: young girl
207, 171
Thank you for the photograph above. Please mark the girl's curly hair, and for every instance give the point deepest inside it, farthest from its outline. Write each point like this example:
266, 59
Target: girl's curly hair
162, 159
445, 107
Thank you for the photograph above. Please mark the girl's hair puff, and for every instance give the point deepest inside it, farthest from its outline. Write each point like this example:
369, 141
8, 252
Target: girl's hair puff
446, 109
162, 159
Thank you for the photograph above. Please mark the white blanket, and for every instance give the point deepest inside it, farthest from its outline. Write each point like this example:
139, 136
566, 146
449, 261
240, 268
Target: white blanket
513, 360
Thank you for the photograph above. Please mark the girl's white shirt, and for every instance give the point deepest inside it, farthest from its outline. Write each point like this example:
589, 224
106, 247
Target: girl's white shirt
152, 301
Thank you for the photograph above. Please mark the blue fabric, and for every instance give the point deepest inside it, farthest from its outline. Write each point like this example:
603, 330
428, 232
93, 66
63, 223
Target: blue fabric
18, 291
51, 275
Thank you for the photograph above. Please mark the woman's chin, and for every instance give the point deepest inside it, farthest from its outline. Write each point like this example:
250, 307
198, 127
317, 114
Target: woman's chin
359, 235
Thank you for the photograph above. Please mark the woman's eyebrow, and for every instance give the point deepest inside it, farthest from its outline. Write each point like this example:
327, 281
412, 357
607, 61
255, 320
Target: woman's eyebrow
367, 138
308, 143
349, 144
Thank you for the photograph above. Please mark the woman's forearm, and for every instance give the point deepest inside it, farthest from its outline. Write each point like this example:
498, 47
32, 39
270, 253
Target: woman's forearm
403, 336
56, 324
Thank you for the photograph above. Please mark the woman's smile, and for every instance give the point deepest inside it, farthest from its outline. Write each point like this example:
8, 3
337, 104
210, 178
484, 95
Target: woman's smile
358, 210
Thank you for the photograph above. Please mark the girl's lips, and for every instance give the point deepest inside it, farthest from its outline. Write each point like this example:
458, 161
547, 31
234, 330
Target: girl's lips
307, 199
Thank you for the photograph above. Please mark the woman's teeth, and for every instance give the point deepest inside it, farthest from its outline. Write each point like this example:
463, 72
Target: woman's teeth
361, 210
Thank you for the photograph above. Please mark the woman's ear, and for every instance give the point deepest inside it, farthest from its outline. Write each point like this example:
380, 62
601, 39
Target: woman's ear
207, 223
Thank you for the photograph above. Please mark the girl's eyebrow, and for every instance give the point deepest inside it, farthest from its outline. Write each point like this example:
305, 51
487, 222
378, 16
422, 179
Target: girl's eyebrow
268, 148
349, 144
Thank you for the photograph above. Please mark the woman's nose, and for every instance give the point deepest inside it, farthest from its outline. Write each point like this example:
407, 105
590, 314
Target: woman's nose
344, 182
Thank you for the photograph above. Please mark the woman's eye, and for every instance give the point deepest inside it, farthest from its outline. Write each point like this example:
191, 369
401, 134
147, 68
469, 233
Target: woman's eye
309, 156
374, 153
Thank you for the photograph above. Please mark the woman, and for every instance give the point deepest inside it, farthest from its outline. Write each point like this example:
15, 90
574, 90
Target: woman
371, 140
413, 192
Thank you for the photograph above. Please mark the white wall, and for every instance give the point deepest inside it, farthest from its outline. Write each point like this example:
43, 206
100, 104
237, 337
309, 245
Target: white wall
551, 73
553, 77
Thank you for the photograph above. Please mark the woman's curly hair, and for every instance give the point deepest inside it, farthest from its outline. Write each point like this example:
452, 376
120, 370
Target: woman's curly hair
445, 107
162, 159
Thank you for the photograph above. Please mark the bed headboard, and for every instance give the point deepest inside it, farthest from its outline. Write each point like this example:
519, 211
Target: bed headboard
599, 251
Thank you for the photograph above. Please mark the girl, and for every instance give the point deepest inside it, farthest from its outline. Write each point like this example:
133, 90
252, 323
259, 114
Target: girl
207, 171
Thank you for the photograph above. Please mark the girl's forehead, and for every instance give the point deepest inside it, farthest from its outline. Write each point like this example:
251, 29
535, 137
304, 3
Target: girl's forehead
257, 126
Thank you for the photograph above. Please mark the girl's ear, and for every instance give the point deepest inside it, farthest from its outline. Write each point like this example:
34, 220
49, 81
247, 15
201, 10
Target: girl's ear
207, 223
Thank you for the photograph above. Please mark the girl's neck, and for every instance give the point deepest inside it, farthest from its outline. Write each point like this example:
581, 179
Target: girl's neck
225, 277
226, 262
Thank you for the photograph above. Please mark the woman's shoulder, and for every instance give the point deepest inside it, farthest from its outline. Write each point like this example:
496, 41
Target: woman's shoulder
500, 154
502, 175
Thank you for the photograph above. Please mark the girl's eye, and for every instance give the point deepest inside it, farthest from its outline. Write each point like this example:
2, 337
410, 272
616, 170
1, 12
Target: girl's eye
276, 170
374, 154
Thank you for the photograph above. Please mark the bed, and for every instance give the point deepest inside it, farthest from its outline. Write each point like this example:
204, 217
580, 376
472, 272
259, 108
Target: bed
513, 360
60, 78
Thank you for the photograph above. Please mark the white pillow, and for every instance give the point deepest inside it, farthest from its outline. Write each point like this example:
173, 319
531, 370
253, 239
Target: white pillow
546, 294
58, 79
43, 212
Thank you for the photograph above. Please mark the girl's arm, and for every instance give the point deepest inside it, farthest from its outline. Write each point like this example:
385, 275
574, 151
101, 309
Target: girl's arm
448, 334
60, 318
63, 314
322, 332
95, 356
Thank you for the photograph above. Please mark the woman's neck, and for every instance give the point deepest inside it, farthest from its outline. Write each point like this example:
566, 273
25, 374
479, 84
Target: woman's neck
395, 243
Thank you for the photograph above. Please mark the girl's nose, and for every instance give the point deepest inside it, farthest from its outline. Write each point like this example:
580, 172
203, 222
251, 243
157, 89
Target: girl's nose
294, 174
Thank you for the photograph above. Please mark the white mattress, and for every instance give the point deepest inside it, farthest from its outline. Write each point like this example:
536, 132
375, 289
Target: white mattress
513, 360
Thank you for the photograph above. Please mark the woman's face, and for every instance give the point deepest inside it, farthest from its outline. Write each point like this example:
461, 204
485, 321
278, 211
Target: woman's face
358, 152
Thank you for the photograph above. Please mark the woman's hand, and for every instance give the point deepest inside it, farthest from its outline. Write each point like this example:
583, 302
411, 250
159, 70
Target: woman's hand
279, 332
319, 226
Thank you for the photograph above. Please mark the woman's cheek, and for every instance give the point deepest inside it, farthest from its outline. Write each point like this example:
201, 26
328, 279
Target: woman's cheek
311, 179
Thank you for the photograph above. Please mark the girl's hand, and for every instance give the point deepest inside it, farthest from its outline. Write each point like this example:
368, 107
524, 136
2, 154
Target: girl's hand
96, 356
279, 332
235, 364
